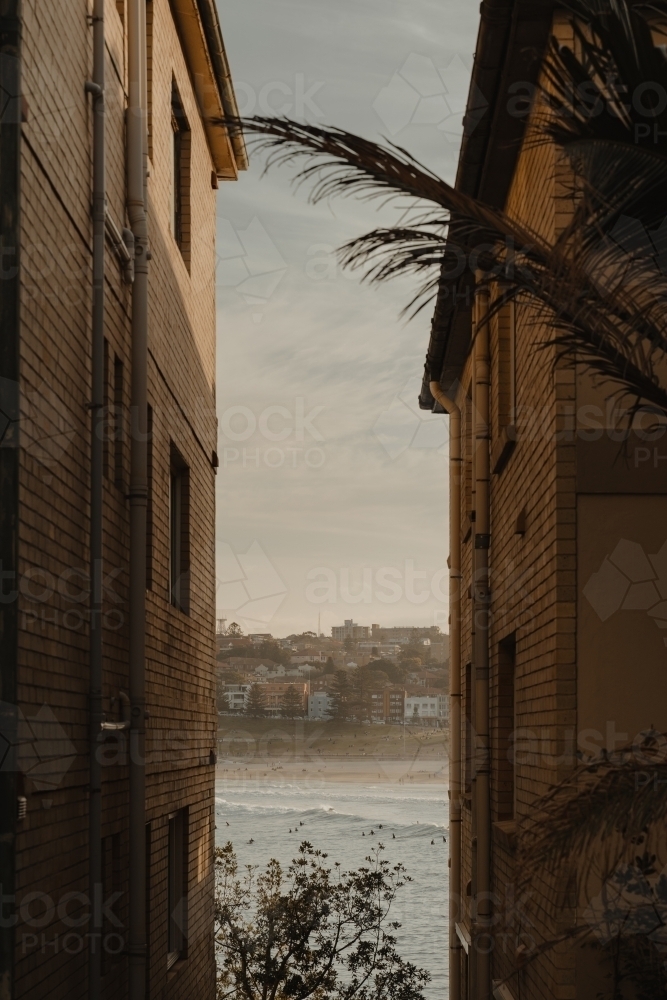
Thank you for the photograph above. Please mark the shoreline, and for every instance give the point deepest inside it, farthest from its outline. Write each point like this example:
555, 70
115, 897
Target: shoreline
404, 771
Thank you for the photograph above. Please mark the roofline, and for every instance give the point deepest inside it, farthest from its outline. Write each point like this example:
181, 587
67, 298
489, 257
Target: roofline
492, 37
216, 46
510, 45
204, 50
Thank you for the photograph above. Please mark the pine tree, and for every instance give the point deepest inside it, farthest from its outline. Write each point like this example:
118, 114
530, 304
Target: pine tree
342, 694
255, 704
292, 703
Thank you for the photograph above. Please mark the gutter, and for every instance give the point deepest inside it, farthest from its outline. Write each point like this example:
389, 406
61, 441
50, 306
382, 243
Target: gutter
490, 52
218, 55
510, 44
201, 40
455, 894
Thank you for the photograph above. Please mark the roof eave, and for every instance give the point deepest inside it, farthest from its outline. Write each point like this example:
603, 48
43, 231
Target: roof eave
511, 41
201, 39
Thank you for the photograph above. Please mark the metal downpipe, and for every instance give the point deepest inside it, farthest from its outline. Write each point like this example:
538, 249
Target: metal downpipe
95, 887
455, 776
482, 941
138, 494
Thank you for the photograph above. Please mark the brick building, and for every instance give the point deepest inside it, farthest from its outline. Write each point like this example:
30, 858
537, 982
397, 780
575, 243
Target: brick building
273, 695
181, 89
386, 704
570, 663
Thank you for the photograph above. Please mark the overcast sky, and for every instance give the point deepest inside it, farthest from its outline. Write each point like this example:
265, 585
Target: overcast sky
332, 489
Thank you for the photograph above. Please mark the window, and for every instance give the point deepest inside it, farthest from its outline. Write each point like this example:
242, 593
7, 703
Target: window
118, 423
177, 886
180, 191
179, 549
505, 724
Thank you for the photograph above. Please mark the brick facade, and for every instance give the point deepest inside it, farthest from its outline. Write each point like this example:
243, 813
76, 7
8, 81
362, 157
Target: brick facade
56, 242
567, 674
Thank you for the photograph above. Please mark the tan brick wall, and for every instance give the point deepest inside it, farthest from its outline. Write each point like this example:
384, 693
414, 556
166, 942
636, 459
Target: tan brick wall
532, 575
55, 345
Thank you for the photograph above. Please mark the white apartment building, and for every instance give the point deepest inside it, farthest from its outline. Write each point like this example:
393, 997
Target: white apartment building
426, 706
320, 705
237, 696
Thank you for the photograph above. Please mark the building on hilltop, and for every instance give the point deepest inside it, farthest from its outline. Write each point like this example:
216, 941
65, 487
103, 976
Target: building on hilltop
400, 633
108, 459
349, 630
253, 665
389, 649
305, 658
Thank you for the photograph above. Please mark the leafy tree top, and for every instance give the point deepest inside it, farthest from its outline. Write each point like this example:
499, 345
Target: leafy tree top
310, 931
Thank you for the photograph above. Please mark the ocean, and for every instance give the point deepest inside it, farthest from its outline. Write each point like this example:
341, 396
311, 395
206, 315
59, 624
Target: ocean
334, 816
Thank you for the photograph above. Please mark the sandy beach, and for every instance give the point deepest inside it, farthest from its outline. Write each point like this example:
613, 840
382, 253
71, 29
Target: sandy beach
302, 752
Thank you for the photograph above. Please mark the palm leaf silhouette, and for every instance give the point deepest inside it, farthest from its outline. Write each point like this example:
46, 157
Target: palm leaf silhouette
599, 300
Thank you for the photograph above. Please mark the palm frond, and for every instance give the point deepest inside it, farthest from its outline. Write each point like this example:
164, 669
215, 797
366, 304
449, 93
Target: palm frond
604, 104
610, 84
385, 254
596, 300
344, 164
615, 798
